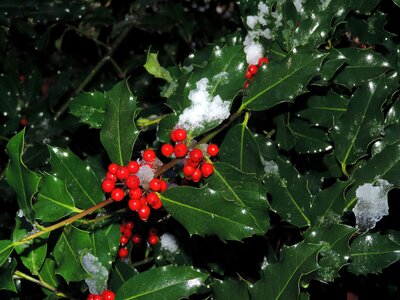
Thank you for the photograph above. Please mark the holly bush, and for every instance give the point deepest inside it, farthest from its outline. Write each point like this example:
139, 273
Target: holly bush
199, 149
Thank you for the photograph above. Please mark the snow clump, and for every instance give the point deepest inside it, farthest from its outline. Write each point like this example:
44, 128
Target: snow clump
99, 274
168, 243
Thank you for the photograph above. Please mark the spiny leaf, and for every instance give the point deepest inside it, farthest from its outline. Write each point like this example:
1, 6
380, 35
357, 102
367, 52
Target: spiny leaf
119, 132
53, 200
81, 182
231, 289
162, 283
90, 108
19, 177
6, 275
6, 247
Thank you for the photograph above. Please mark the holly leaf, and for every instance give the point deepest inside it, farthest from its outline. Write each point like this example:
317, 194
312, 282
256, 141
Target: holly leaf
24, 181
372, 252
80, 180
168, 282
6, 247
284, 136
230, 289
281, 81
48, 274
6, 275
297, 261
119, 132
154, 68
361, 124
120, 274
68, 252
53, 200
205, 212
90, 108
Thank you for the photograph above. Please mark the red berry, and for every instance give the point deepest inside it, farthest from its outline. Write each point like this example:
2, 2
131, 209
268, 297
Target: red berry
117, 194
212, 150
111, 176
135, 193
144, 212
164, 186
122, 173
134, 204
98, 297
153, 240
167, 150
178, 135
157, 205
155, 184
207, 169
262, 60
132, 182
23, 122
90, 297
180, 150
129, 225
196, 155
246, 84
248, 75
113, 168
196, 176
123, 240
188, 170
107, 185
149, 155
133, 167
21, 78
121, 228
128, 232
136, 239
108, 295
152, 199
143, 200
252, 69
123, 252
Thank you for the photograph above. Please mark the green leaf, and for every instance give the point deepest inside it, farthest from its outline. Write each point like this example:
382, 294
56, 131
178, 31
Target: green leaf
240, 149
230, 289
284, 137
335, 251
6, 247
397, 2
162, 283
70, 247
361, 124
282, 81
392, 123
33, 253
119, 132
97, 282
372, 252
297, 260
362, 65
119, 274
324, 110
81, 182
48, 274
205, 212
19, 177
6, 276
154, 68
291, 198
90, 108
53, 200
333, 62
105, 242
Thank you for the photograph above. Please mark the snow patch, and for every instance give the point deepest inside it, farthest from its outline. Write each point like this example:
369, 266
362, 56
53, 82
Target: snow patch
372, 203
20, 213
270, 167
204, 108
168, 243
299, 5
145, 174
97, 283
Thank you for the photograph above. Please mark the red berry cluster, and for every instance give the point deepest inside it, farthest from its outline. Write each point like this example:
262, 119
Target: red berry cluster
252, 70
127, 234
194, 168
105, 295
121, 181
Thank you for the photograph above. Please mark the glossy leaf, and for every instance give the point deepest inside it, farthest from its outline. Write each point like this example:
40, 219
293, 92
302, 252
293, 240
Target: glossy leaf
282, 81
284, 136
206, 212
68, 251
361, 124
80, 180
230, 289
90, 108
162, 283
119, 274
48, 274
119, 132
372, 252
6, 247
33, 253
154, 68
6, 276
297, 261
19, 177
53, 200
240, 149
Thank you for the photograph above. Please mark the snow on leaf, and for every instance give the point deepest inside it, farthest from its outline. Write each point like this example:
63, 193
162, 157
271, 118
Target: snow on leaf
98, 281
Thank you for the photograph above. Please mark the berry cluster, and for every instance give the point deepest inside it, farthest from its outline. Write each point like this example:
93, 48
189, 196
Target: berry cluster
194, 166
127, 235
122, 181
105, 295
252, 70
